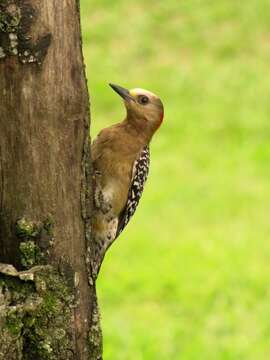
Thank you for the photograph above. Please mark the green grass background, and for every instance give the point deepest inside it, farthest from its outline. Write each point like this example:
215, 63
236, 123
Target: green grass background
189, 278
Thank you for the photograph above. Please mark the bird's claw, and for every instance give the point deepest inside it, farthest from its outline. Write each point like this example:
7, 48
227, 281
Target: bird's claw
101, 203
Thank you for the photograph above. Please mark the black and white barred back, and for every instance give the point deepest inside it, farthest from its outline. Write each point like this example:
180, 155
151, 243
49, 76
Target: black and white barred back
140, 174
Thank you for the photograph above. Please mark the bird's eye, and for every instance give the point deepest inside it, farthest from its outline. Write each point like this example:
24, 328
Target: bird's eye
143, 100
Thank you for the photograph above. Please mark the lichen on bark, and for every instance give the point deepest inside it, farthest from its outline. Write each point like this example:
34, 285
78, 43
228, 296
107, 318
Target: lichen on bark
36, 314
95, 333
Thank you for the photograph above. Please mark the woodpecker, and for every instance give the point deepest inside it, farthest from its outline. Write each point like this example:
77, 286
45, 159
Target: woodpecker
121, 159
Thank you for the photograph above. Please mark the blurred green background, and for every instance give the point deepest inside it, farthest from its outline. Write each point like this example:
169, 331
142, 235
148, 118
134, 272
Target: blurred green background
189, 278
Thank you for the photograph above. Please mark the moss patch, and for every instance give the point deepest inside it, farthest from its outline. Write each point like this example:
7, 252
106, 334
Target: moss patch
36, 240
30, 254
27, 229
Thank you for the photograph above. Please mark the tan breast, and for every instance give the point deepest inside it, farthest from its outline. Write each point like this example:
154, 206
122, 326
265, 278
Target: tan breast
114, 153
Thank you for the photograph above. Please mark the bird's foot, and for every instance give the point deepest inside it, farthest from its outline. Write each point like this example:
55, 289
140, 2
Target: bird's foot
104, 206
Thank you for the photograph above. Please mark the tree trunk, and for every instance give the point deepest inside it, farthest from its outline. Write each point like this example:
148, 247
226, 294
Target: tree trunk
48, 306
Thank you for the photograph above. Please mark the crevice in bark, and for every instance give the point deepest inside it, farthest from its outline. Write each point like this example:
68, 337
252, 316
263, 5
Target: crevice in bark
16, 19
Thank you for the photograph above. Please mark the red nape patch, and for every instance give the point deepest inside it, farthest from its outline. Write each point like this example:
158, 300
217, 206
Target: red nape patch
161, 118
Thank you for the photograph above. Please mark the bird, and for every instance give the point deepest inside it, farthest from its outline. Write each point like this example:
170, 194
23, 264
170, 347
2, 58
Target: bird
121, 159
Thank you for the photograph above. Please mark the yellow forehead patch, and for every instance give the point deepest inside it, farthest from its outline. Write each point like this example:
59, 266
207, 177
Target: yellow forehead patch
137, 91
132, 92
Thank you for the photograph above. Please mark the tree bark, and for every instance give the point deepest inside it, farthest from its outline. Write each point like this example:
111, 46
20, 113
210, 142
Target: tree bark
48, 307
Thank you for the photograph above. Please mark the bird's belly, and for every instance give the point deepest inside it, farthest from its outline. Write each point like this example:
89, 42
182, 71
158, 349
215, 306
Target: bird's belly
116, 193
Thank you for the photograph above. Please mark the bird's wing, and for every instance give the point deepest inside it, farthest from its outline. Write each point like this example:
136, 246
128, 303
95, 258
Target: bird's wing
139, 177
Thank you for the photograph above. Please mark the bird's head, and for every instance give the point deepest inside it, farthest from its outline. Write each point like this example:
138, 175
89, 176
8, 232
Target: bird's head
143, 107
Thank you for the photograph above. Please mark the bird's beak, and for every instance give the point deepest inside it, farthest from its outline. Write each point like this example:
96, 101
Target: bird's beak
124, 93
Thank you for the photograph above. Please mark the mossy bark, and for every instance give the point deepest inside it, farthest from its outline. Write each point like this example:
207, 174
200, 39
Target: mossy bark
48, 305
36, 314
